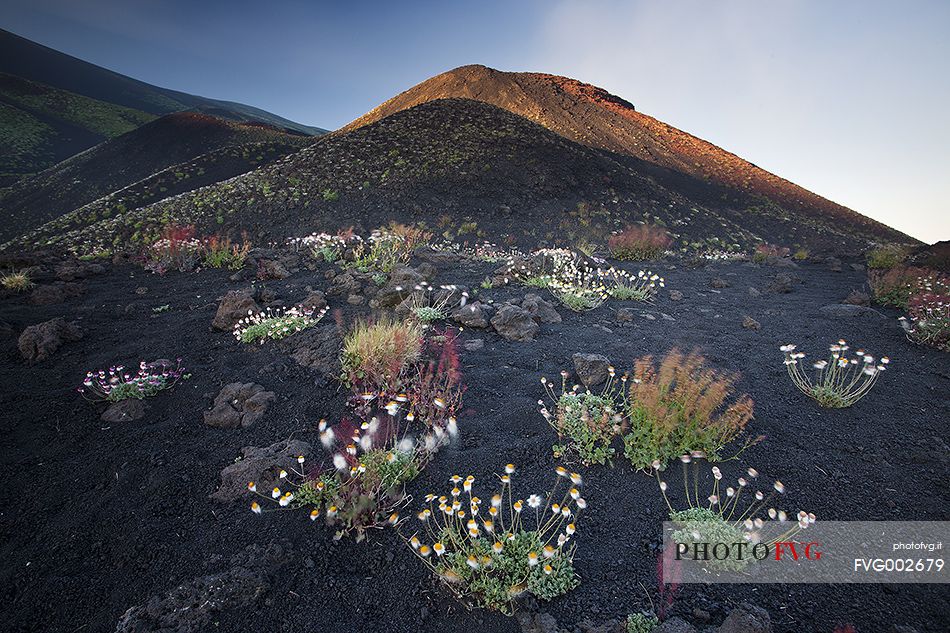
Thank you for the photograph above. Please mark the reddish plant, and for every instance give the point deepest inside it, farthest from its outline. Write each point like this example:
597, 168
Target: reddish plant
668, 574
769, 253
896, 286
639, 241
177, 249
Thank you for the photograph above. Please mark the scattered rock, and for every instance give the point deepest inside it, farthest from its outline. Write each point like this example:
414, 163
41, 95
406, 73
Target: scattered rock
406, 276
260, 465
427, 270
754, 292
858, 298
38, 342
473, 315
537, 622
848, 311
392, 295
49, 294
834, 264
235, 305
238, 405
541, 310
473, 344
271, 269
856, 267
343, 284
747, 618
190, 607
675, 625
124, 411
355, 300
719, 283
751, 324
73, 270
625, 315
783, 283
591, 369
317, 348
676, 295
515, 323
315, 301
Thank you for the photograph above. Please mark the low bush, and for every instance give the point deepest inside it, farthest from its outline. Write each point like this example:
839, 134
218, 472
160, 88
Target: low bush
930, 320
276, 324
730, 514
16, 281
768, 253
639, 242
839, 381
428, 305
177, 250
376, 355
680, 408
886, 257
586, 423
389, 247
490, 556
221, 252
116, 383
896, 286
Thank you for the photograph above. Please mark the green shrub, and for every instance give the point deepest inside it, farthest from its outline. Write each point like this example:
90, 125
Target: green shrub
886, 257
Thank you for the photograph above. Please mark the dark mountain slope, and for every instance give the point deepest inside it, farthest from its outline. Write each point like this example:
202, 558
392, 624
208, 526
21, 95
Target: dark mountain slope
41, 125
20, 56
464, 166
594, 117
124, 160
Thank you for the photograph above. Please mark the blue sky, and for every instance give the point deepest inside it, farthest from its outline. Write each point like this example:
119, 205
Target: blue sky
846, 98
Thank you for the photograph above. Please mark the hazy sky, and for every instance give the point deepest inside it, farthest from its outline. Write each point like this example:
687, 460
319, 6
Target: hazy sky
850, 99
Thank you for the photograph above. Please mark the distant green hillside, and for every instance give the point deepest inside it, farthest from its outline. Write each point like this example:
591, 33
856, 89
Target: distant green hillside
53, 106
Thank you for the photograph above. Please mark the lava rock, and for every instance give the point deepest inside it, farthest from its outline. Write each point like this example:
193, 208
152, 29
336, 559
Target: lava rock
514, 323
676, 295
747, 618
406, 276
857, 298
473, 345
473, 315
751, 324
591, 369
316, 347
271, 269
234, 306
847, 311
427, 270
39, 342
49, 294
190, 607
343, 284
625, 315
719, 283
675, 625
392, 295
834, 264
124, 411
541, 310
73, 270
238, 405
260, 465
315, 301
783, 283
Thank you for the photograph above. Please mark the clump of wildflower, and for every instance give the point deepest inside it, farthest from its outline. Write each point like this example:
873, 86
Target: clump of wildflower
16, 281
119, 383
639, 242
488, 552
838, 381
395, 435
389, 247
586, 422
730, 513
680, 407
428, 305
276, 324
929, 322
326, 247
625, 286
896, 286
221, 252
